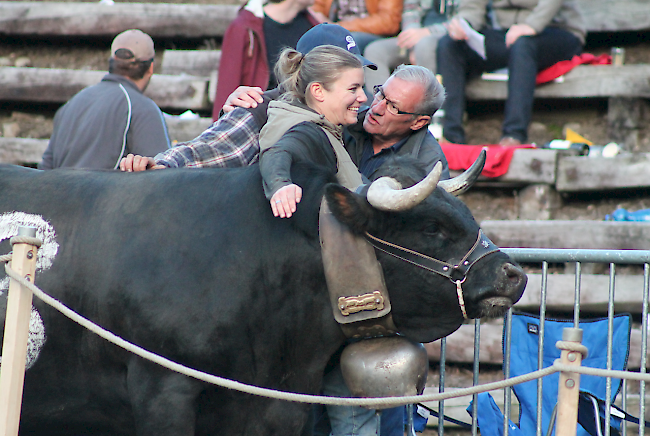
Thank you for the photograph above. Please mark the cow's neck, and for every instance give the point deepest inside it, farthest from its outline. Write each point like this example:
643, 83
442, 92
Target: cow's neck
355, 280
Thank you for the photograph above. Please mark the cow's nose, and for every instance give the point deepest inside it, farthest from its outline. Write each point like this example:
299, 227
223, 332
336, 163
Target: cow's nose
516, 280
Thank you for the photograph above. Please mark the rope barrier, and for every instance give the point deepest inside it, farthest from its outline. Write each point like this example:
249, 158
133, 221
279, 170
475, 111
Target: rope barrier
303, 398
254, 390
573, 346
19, 239
586, 370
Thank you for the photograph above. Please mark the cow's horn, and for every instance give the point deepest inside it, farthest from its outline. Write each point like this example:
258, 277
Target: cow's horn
387, 194
463, 182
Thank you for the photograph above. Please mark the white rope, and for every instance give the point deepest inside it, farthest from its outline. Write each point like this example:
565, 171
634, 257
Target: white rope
602, 372
254, 390
302, 398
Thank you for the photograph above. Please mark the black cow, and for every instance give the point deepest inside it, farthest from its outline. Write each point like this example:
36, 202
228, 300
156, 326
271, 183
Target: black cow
191, 264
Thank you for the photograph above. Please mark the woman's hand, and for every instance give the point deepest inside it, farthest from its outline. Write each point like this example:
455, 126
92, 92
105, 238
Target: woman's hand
135, 162
283, 202
516, 31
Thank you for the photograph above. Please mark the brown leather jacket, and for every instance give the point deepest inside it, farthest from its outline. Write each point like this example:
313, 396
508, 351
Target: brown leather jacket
384, 17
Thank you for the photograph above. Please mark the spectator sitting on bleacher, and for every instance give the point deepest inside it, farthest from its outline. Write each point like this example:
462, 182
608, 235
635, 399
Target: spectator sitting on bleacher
106, 121
525, 36
422, 27
367, 20
253, 42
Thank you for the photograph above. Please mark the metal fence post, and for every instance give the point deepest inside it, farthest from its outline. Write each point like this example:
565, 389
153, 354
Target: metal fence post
569, 385
14, 347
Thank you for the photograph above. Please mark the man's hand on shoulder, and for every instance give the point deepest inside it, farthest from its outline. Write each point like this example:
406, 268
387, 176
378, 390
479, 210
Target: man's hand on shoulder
134, 163
244, 96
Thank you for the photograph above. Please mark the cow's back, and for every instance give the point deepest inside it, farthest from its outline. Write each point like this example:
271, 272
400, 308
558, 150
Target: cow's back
186, 263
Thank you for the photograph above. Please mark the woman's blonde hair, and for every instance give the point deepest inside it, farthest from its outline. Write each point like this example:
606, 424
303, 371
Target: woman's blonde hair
323, 64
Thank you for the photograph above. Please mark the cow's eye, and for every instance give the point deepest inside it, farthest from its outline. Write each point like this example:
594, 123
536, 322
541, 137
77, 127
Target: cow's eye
431, 230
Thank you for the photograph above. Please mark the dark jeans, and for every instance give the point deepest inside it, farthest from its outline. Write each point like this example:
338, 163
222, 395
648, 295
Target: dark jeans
529, 54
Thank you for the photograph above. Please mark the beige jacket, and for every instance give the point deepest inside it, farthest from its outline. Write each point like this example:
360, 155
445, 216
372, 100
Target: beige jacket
538, 14
284, 115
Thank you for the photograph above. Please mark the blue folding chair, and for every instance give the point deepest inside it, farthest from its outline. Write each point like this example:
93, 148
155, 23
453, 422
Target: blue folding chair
523, 360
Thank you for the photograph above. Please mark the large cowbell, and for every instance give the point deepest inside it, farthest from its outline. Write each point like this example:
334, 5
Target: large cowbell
380, 363
385, 367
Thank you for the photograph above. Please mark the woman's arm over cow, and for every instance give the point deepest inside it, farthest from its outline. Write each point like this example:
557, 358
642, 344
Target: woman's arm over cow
305, 142
230, 142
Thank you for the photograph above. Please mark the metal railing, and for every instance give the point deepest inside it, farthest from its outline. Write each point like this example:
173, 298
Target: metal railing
577, 257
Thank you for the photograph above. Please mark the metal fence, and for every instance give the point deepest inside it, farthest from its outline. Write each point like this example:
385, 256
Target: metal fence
573, 260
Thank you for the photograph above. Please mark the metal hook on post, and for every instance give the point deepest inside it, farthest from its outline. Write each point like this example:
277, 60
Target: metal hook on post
16, 333
572, 353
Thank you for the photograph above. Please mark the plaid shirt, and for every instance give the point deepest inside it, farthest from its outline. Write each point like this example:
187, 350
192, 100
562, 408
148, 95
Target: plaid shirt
231, 141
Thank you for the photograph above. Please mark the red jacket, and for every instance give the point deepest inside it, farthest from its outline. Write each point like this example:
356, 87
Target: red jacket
243, 57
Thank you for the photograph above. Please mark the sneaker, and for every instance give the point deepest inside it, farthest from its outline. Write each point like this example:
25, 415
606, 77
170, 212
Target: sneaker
509, 141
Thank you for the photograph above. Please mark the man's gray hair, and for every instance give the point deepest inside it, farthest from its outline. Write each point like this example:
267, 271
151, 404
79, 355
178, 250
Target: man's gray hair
433, 95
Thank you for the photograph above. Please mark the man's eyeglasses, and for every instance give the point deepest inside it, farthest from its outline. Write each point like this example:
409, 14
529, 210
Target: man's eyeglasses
390, 106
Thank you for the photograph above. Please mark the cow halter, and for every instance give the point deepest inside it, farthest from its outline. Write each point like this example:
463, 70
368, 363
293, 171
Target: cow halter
455, 272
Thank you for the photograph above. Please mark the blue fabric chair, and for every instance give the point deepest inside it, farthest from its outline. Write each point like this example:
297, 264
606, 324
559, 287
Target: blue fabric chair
523, 360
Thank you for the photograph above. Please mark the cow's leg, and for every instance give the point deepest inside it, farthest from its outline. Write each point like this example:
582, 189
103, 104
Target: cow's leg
163, 402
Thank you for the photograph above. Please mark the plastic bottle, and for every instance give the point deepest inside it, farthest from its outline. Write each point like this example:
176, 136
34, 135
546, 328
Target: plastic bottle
625, 215
435, 126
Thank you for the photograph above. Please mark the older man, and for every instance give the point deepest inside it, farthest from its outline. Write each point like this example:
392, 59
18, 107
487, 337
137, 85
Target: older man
397, 120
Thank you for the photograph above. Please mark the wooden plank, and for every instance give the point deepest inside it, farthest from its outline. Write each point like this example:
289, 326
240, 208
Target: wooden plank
528, 166
179, 92
532, 166
181, 130
59, 85
579, 173
20, 151
460, 346
95, 19
204, 20
583, 81
594, 293
615, 16
569, 234
193, 62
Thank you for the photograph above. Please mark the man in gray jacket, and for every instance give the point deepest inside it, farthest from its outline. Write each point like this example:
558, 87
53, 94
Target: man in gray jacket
104, 122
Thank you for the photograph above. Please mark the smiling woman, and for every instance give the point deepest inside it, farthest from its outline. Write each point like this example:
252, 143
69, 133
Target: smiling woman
323, 93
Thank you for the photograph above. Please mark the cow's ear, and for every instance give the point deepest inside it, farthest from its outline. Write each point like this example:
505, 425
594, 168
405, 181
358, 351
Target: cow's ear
349, 208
